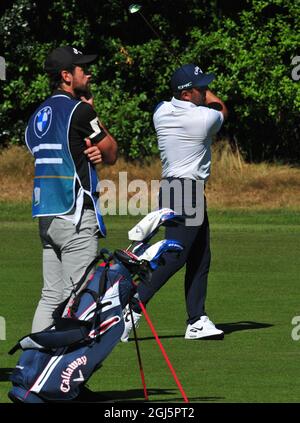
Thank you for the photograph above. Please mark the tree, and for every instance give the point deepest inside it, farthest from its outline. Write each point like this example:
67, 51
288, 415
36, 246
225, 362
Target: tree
249, 44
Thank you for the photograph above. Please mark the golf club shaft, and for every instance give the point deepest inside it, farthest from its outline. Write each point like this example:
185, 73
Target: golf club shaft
160, 38
139, 356
163, 352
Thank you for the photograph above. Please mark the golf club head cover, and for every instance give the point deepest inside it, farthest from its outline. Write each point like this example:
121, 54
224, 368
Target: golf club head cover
154, 253
130, 260
139, 248
146, 228
139, 270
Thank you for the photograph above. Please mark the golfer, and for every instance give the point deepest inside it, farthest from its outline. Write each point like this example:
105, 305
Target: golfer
67, 140
184, 127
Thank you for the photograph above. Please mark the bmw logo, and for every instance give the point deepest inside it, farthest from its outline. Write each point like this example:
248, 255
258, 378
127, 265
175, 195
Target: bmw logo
42, 121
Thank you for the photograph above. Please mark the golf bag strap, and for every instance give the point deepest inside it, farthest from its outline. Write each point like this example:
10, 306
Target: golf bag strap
64, 323
74, 307
102, 284
79, 328
14, 348
61, 307
57, 313
96, 295
100, 256
69, 332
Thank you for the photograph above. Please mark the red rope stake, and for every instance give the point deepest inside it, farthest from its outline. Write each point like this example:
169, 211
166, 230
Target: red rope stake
163, 352
139, 356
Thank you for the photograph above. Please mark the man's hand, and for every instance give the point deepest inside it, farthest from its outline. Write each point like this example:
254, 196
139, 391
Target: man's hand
93, 153
89, 101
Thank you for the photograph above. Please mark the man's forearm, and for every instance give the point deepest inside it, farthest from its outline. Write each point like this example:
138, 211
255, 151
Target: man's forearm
216, 103
108, 148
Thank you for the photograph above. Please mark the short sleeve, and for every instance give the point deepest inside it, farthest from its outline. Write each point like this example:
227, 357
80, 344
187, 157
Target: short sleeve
214, 121
86, 123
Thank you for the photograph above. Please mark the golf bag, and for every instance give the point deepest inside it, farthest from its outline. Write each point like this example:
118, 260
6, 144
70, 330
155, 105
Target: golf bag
57, 361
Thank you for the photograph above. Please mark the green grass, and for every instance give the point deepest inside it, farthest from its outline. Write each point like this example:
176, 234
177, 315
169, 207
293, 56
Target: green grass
252, 295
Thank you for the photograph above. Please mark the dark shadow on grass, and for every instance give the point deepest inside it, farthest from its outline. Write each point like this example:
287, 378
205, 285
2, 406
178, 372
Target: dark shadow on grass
244, 325
137, 395
151, 338
226, 327
5, 374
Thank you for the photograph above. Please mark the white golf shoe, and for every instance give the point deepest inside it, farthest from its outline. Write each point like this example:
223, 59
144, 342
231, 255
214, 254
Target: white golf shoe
128, 323
203, 329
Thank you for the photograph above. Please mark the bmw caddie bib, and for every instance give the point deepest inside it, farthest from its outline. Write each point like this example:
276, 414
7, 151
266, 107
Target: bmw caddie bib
55, 176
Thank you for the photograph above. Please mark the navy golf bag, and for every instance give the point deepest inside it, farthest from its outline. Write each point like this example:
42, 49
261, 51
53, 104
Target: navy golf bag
57, 361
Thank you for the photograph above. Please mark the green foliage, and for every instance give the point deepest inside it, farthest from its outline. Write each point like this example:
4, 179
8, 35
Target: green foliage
127, 120
248, 44
252, 58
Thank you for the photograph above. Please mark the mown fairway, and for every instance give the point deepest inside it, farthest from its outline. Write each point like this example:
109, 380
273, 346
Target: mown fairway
252, 296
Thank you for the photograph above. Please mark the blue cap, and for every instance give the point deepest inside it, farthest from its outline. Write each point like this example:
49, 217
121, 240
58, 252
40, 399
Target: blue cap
189, 76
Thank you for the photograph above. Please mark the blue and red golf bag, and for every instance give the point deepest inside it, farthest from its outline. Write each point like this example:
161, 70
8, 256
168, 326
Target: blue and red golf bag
57, 361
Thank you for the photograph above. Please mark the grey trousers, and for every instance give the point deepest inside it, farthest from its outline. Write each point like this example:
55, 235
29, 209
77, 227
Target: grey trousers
67, 250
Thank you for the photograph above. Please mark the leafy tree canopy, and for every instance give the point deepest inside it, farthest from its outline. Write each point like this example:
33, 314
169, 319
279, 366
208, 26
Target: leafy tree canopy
249, 44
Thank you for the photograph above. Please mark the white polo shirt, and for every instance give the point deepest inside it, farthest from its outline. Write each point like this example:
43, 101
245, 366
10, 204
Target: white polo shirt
184, 133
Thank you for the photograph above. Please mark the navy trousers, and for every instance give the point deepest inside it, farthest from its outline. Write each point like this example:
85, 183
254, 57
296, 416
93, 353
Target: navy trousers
196, 256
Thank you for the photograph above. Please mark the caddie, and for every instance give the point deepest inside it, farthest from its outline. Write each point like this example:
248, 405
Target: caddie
67, 140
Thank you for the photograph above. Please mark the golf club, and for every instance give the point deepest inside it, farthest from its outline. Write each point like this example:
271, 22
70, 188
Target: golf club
136, 8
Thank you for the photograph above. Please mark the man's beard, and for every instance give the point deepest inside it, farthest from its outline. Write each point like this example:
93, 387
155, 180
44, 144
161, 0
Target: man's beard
83, 91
